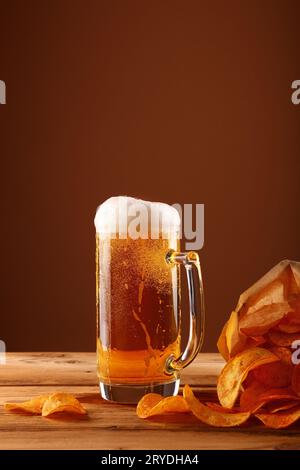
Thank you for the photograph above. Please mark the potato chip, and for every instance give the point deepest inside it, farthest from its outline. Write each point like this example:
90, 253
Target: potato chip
293, 317
256, 340
171, 405
33, 406
295, 305
235, 341
272, 293
217, 407
295, 267
253, 341
281, 406
249, 380
288, 277
255, 397
231, 341
211, 416
284, 354
288, 327
147, 403
60, 401
274, 375
279, 394
291, 322
222, 345
236, 370
154, 404
279, 338
279, 420
249, 399
261, 321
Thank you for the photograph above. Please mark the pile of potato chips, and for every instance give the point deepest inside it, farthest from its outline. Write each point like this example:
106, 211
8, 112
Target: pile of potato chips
261, 342
47, 405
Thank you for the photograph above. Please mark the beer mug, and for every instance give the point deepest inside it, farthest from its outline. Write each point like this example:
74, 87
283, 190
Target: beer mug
138, 300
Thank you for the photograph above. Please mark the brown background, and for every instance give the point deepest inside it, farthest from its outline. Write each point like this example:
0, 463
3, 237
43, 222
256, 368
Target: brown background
174, 101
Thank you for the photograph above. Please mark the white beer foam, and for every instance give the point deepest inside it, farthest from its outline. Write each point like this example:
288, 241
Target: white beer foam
114, 215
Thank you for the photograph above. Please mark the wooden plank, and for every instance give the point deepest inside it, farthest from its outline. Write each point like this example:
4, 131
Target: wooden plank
48, 369
112, 426
80, 369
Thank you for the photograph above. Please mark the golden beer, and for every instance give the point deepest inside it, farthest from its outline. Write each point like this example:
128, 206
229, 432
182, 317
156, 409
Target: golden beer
138, 302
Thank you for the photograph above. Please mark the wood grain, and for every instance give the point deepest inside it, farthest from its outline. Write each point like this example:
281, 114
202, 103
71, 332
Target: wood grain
112, 426
80, 369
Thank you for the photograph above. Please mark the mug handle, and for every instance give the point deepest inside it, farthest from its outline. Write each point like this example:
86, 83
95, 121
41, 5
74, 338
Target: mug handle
190, 261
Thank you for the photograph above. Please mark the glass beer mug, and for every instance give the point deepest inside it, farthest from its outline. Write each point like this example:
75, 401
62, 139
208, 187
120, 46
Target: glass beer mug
138, 300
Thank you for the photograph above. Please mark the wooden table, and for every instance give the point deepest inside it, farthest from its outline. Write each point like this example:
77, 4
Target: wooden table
111, 426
